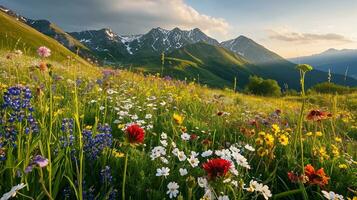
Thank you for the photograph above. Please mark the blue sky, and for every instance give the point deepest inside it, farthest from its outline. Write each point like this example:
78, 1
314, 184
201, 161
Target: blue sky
290, 28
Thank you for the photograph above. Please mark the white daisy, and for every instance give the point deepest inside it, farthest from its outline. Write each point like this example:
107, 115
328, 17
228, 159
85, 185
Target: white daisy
332, 195
185, 136
173, 189
249, 148
183, 171
207, 153
163, 171
202, 182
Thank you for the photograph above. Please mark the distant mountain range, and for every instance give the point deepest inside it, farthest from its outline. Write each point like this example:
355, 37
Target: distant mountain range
188, 55
337, 61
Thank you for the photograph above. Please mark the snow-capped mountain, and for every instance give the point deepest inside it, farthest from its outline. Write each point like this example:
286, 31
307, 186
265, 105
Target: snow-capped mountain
156, 41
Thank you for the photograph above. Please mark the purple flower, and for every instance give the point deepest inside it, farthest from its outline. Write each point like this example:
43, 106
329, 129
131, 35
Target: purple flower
44, 52
37, 160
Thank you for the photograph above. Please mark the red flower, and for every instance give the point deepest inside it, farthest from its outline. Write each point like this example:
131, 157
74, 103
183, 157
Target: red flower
217, 167
316, 177
135, 133
193, 136
317, 115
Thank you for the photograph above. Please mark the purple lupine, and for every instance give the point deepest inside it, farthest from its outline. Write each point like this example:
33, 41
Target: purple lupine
106, 175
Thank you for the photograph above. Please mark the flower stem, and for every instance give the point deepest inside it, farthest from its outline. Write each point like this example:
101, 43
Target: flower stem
124, 175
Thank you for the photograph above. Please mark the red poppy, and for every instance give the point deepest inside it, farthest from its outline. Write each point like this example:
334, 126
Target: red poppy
317, 115
217, 167
135, 133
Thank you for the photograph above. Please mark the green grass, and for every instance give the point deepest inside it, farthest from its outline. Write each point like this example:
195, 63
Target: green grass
17, 35
82, 93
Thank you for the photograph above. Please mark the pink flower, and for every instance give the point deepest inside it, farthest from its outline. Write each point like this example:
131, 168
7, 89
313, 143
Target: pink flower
44, 52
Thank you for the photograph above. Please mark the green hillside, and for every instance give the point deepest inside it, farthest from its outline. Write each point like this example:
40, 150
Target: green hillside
17, 35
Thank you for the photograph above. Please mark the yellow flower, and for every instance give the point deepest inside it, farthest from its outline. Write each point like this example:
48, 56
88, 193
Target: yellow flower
262, 152
275, 128
261, 134
284, 140
118, 154
342, 166
318, 133
338, 139
88, 127
178, 118
335, 150
259, 141
269, 139
321, 152
309, 133
121, 126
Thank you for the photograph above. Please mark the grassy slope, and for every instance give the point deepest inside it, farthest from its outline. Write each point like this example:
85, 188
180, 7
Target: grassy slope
16, 35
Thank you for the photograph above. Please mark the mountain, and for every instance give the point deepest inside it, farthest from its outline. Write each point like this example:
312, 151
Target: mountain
251, 50
16, 35
338, 61
114, 47
53, 31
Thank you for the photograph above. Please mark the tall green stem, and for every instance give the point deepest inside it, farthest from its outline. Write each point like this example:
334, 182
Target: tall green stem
124, 175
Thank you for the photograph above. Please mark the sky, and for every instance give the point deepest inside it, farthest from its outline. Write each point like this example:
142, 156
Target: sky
289, 28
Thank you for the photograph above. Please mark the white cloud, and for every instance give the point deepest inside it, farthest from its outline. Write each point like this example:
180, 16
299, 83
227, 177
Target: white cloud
287, 35
123, 16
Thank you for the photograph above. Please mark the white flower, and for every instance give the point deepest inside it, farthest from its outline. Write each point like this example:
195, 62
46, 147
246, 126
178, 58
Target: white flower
173, 189
110, 91
148, 116
241, 160
12, 192
163, 136
225, 197
193, 161
194, 154
164, 171
175, 151
202, 182
181, 155
185, 136
207, 153
163, 103
164, 143
266, 192
331, 195
117, 121
157, 152
164, 160
134, 117
101, 108
183, 172
249, 148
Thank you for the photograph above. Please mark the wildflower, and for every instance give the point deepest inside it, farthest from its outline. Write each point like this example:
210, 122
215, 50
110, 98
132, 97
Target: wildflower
332, 195
317, 115
193, 161
207, 153
318, 133
94, 146
44, 52
262, 152
13, 191
37, 160
241, 160
164, 171
183, 172
338, 139
157, 151
284, 140
185, 136
342, 166
275, 128
181, 155
106, 176
217, 167
173, 189
249, 148
178, 118
259, 141
224, 197
309, 133
269, 140
335, 150
316, 177
135, 134
202, 182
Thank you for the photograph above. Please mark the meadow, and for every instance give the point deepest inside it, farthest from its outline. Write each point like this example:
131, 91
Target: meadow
73, 131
